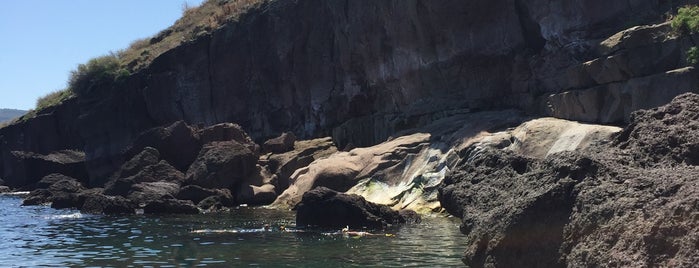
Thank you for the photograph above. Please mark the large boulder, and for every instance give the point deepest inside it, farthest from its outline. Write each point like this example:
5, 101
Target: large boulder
178, 144
323, 207
98, 203
222, 165
59, 190
144, 167
305, 152
256, 195
147, 192
281, 144
227, 132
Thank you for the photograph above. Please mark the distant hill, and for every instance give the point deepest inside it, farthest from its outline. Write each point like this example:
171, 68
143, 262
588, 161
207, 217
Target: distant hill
8, 114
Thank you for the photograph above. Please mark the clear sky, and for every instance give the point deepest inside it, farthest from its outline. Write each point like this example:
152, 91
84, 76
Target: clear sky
41, 41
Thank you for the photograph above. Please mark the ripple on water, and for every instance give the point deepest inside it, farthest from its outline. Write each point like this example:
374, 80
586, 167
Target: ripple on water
41, 236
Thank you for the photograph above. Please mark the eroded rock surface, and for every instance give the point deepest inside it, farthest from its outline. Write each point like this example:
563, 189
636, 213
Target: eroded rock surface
627, 202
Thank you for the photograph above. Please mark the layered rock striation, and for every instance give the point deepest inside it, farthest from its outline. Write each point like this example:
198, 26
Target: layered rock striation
362, 71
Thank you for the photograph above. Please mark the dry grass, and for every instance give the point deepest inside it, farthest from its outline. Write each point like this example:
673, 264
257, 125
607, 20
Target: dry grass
195, 21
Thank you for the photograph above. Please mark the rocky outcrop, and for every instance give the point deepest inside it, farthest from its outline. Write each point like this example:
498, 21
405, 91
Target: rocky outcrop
366, 76
627, 200
283, 166
281, 144
405, 172
59, 190
25, 168
222, 165
323, 207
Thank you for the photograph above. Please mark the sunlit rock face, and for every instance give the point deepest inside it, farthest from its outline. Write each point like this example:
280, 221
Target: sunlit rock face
405, 172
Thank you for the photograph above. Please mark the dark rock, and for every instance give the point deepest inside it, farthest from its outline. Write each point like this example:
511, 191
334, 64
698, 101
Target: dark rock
227, 132
197, 193
37, 197
281, 144
221, 165
5, 189
24, 168
178, 144
171, 206
160, 172
323, 207
665, 135
628, 201
147, 192
59, 190
149, 156
51, 179
66, 201
97, 203
214, 203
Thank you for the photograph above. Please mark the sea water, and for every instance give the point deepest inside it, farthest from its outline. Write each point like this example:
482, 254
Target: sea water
38, 236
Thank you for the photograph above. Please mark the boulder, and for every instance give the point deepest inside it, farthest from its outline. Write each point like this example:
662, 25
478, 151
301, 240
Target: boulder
147, 192
5, 189
159, 172
227, 132
51, 179
222, 165
178, 144
97, 203
281, 144
323, 207
256, 195
59, 190
304, 153
343, 170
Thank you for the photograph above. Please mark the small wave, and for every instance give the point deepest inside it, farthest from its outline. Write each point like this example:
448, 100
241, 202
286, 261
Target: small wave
76, 215
16, 193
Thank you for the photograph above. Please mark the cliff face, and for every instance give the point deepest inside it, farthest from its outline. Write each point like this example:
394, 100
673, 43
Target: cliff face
357, 70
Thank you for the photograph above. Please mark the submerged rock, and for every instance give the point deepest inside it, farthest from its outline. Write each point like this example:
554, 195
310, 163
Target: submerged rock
323, 207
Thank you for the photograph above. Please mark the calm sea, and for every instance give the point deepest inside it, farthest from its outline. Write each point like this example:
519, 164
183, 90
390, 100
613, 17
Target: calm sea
43, 237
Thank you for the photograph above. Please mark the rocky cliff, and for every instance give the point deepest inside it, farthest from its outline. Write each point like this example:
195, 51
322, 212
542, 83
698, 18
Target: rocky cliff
363, 70
434, 105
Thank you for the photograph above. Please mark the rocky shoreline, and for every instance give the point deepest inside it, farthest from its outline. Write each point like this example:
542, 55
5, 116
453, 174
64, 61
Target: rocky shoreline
511, 115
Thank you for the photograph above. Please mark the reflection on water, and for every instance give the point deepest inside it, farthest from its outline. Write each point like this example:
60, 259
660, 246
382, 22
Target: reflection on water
41, 236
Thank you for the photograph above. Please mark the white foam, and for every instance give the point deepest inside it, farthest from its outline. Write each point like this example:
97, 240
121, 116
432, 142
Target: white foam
76, 215
16, 193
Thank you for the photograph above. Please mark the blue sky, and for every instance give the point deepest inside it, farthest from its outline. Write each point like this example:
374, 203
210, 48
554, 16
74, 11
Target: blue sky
43, 40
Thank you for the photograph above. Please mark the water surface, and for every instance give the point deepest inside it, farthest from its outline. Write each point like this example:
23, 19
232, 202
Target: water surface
41, 236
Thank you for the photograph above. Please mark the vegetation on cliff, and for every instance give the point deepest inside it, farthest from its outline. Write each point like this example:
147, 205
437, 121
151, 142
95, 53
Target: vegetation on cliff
99, 72
687, 22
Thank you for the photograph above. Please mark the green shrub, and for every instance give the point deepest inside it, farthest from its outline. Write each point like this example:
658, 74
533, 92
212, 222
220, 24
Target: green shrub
98, 73
52, 99
687, 20
693, 56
